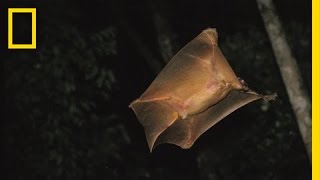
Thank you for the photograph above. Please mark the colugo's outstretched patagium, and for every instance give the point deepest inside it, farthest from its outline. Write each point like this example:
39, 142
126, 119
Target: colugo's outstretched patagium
193, 92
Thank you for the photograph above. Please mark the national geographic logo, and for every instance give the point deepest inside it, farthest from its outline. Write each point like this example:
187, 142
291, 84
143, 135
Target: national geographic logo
12, 12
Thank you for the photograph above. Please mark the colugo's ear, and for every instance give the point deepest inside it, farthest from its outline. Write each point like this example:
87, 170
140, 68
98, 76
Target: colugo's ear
194, 91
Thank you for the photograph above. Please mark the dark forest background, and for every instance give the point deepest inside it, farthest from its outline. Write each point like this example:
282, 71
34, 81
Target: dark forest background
65, 108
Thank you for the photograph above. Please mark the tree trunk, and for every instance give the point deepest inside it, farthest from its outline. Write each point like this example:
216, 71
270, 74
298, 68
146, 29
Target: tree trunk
135, 38
289, 69
166, 37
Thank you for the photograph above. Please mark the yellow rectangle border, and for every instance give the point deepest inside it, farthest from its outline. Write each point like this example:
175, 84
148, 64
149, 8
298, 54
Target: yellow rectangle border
315, 90
33, 12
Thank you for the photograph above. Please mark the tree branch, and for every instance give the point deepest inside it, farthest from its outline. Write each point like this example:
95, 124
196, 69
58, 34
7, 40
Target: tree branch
289, 69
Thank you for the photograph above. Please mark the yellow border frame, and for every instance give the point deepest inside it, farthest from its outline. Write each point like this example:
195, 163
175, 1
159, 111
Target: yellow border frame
33, 12
315, 90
